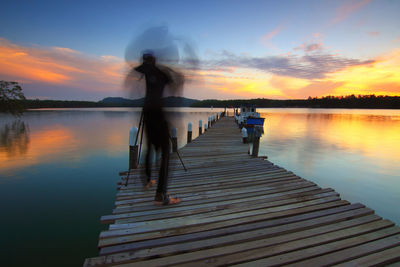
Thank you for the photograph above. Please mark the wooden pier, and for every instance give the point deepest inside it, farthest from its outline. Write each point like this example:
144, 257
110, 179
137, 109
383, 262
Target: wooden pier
237, 209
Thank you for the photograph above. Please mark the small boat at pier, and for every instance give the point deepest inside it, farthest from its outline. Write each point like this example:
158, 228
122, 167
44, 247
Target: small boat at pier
249, 118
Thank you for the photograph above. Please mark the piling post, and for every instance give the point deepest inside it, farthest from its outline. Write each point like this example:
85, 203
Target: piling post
189, 134
133, 148
174, 139
200, 125
209, 121
205, 127
256, 140
244, 135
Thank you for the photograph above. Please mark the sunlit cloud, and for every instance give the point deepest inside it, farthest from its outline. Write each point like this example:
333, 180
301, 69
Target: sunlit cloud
382, 77
348, 8
60, 66
294, 76
313, 72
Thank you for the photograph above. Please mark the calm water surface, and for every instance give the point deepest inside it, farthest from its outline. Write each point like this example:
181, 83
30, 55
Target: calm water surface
59, 168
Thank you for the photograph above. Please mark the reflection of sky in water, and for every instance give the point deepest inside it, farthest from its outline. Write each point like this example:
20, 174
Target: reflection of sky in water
69, 135
58, 174
355, 152
58, 169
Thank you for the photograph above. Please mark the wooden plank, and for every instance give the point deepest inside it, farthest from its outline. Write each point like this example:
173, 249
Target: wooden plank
244, 205
230, 219
147, 215
225, 228
269, 247
381, 258
291, 232
248, 208
360, 216
384, 237
354, 252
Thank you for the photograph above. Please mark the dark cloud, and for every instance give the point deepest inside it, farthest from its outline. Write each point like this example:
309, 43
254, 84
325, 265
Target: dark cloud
309, 66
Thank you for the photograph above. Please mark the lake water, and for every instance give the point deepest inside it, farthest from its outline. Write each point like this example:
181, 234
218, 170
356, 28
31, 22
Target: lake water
59, 169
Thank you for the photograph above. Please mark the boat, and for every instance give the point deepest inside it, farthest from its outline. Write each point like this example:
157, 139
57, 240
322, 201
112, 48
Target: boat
249, 118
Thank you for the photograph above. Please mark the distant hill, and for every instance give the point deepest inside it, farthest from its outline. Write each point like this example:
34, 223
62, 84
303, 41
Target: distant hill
171, 101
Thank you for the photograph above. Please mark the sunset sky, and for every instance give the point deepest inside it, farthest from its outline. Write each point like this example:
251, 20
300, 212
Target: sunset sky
247, 49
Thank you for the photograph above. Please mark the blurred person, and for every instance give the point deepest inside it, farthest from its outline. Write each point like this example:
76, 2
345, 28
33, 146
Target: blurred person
156, 124
158, 48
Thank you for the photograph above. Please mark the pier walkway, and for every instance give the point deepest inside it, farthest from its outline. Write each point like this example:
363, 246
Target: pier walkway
237, 209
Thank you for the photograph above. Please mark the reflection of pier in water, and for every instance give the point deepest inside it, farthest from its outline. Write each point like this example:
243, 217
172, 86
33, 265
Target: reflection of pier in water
238, 209
14, 138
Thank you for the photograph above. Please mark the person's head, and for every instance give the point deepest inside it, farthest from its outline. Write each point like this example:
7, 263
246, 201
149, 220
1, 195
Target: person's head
149, 58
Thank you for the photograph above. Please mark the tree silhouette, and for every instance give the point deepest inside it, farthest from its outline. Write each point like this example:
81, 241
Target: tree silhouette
11, 98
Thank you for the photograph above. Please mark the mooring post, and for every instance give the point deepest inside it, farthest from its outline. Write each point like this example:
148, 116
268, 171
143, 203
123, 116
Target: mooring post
256, 140
205, 127
189, 134
133, 148
209, 121
244, 135
200, 125
174, 139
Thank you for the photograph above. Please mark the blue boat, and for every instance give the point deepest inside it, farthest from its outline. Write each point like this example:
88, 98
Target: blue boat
249, 118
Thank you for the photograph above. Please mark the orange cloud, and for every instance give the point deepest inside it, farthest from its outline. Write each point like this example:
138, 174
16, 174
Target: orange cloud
59, 66
345, 10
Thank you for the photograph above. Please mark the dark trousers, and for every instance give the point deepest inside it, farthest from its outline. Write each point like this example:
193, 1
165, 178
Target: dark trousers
157, 133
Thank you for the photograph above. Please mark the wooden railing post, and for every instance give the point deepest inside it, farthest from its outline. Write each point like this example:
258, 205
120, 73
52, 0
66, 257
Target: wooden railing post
200, 125
189, 134
256, 140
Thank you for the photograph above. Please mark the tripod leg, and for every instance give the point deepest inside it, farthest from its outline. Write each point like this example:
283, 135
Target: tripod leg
137, 135
179, 156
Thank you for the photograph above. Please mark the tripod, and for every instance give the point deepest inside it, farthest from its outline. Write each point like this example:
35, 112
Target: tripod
140, 132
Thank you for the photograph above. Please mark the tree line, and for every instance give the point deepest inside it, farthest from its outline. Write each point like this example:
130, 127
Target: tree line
350, 101
12, 100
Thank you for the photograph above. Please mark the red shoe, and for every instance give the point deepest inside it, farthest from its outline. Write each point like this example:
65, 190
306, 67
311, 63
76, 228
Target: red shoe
164, 199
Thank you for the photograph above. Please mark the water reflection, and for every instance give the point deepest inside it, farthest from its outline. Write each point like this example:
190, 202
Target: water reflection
354, 152
315, 135
14, 139
68, 136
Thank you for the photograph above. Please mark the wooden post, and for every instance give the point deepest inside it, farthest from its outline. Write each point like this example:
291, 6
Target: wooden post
209, 121
133, 148
200, 125
256, 140
205, 127
174, 140
244, 135
189, 134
